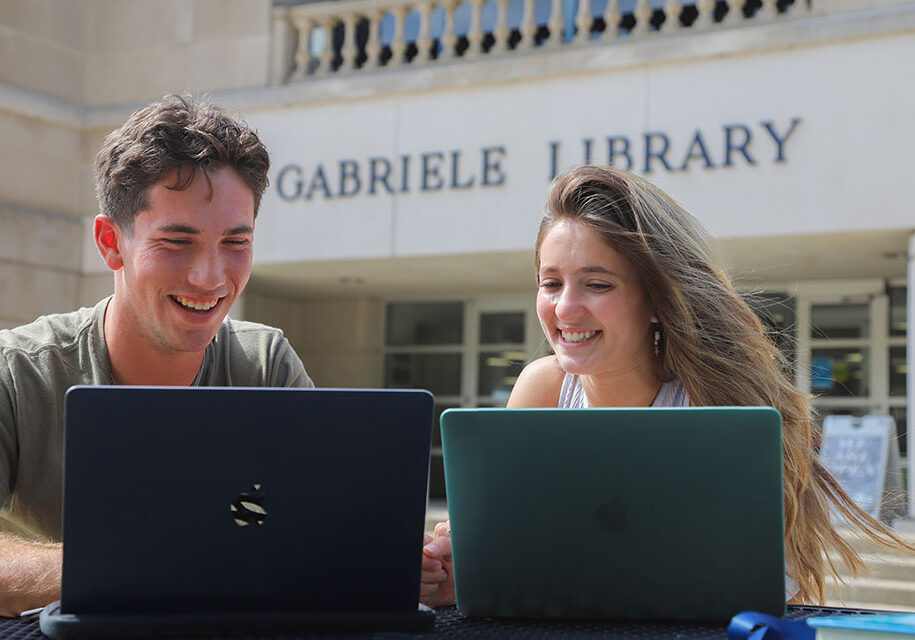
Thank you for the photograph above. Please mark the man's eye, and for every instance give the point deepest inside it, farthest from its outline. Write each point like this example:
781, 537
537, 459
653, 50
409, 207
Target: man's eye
176, 241
550, 285
238, 242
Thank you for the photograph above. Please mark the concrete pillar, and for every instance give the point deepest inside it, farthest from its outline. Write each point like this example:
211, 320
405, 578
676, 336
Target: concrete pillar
910, 375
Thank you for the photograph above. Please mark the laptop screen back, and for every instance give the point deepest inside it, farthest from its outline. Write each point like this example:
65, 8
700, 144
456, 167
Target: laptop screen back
228, 500
620, 513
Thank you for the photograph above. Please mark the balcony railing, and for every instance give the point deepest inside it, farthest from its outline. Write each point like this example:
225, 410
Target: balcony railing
361, 36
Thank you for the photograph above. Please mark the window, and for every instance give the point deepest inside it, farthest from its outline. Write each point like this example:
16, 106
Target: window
854, 350
778, 315
468, 353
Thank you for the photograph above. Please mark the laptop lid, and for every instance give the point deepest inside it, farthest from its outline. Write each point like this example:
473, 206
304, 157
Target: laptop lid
217, 500
667, 513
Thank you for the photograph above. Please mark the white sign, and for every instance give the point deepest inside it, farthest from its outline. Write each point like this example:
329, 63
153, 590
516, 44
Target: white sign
863, 455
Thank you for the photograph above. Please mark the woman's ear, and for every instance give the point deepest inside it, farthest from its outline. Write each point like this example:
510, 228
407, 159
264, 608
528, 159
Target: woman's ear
108, 241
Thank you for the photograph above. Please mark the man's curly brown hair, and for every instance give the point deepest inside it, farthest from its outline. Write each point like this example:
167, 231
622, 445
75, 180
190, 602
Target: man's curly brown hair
174, 137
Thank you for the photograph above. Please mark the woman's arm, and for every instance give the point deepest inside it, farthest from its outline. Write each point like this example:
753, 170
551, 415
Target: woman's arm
538, 385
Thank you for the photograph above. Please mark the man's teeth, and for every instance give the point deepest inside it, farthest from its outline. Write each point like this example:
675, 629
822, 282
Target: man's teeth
576, 336
199, 305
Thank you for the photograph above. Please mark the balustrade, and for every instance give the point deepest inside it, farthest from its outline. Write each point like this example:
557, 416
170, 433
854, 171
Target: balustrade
361, 36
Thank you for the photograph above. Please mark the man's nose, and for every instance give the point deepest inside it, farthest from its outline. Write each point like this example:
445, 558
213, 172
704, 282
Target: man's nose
207, 270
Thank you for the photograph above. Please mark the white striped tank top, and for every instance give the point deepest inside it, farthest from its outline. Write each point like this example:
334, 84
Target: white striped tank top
572, 394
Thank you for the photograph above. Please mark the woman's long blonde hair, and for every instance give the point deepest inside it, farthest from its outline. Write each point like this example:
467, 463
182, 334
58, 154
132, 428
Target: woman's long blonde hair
718, 348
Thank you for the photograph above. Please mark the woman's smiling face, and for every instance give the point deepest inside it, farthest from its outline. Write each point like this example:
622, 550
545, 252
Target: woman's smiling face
591, 303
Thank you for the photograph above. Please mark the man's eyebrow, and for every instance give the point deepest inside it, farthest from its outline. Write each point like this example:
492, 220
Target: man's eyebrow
178, 228
183, 228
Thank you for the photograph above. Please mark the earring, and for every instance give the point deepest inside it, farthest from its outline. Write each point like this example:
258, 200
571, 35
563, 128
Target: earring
657, 342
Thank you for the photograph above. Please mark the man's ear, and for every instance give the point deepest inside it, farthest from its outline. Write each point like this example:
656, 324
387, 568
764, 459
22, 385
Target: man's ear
108, 241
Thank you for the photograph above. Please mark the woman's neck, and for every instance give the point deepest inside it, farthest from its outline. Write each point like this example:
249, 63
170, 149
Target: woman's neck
636, 387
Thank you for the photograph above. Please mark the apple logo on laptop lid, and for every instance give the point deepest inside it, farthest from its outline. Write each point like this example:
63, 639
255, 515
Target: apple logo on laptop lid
248, 507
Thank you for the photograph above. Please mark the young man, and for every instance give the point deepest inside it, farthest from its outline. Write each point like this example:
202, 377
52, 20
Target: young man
179, 187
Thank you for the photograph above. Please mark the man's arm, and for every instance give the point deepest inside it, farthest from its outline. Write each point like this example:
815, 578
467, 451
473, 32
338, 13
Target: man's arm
29, 571
29, 574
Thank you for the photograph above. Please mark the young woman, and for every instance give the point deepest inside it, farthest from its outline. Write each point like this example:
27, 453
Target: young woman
639, 314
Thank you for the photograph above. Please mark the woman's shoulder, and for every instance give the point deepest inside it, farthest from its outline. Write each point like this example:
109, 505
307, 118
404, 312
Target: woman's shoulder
538, 385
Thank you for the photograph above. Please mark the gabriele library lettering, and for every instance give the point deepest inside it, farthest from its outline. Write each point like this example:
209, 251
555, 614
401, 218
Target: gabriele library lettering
652, 151
730, 145
430, 171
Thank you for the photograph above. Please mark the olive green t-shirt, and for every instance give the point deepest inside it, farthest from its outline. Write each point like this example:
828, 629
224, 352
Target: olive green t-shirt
41, 360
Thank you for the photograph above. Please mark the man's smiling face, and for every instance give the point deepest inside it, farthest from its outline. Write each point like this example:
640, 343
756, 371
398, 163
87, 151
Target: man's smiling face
186, 259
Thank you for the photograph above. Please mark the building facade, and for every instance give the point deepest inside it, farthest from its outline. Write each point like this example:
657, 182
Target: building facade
413, 143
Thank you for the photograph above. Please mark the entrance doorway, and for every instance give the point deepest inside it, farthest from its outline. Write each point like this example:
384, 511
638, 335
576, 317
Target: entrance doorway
468, 352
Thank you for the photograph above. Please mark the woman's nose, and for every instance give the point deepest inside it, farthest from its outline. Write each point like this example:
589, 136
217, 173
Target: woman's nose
569, 305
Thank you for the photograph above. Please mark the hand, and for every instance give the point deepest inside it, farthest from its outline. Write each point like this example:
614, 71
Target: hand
437, 583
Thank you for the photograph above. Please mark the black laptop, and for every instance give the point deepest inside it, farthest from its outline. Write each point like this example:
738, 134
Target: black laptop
234, 510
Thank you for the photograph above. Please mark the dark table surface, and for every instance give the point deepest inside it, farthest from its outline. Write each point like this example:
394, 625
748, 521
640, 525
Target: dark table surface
451, 624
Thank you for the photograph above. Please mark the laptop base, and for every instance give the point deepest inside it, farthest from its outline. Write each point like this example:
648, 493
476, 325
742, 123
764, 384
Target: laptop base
65, 626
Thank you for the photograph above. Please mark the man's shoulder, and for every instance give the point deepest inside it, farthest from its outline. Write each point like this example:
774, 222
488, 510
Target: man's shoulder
254, 355
248, 332
249, 340
59, 331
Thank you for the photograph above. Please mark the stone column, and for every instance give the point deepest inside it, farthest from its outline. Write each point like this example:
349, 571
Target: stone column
910, 375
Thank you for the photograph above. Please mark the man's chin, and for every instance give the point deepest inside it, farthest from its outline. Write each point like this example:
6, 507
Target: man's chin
192, 342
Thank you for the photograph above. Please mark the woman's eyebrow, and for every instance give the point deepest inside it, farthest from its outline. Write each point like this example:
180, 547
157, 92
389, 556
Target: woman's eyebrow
597, 269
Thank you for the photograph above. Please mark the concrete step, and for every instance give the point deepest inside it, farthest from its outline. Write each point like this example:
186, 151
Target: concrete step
865, 545
875, 593
890, 585
853, 604
885, 566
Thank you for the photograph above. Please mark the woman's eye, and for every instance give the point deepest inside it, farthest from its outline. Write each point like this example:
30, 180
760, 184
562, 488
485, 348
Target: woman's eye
550, 285
600, 286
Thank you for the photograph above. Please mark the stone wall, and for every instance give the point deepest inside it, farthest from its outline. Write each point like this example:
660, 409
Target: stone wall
338, 339
59, 60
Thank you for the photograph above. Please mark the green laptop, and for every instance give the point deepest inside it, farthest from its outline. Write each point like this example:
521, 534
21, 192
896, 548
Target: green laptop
657, 513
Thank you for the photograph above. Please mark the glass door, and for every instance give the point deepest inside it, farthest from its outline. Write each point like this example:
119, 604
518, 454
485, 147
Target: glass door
852, 349
467, 352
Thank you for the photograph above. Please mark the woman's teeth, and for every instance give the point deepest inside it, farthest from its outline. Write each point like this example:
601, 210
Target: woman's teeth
197, 305
576, 336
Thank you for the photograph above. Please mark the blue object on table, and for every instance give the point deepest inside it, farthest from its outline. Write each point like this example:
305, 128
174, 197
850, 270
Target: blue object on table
750, 625
901, 623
